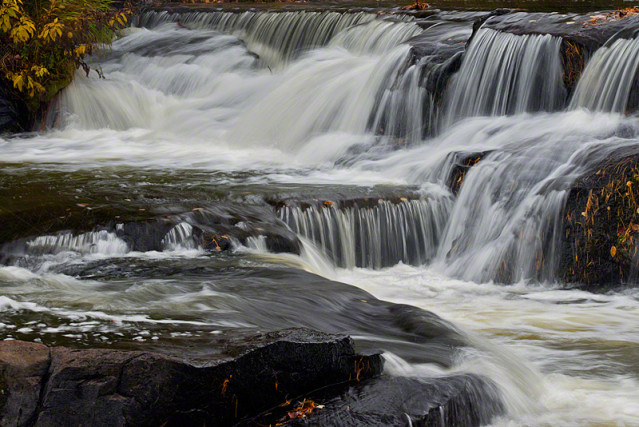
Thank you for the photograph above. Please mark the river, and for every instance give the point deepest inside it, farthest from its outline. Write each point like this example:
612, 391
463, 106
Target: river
320, 126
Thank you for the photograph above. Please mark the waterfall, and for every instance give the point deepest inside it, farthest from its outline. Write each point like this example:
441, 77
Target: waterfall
324, 103
180, 236
329, 92
406, 109
354, 99
608, 78
377, 36
507, 222
95, 242
277, 37
371, 236
506, 74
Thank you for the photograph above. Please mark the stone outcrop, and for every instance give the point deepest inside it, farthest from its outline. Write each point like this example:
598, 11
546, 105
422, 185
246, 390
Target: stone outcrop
601, 225
267, 379
101, 387
461, 400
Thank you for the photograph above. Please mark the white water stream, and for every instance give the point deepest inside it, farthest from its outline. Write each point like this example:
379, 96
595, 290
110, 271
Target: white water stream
306, 112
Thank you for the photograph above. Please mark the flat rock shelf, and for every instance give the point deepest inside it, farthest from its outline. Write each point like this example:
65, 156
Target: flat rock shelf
252, 382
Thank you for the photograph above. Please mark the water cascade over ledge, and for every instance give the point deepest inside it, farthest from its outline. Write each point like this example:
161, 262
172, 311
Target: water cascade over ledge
373, 235
506, 74
608, 78
239, 171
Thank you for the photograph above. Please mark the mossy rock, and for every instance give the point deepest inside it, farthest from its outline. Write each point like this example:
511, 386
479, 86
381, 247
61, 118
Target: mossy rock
601, 226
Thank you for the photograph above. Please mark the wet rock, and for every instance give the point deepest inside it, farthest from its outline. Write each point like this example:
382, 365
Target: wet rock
460, 165
463, 400
601, 225
13, 114
23, 366
112, 387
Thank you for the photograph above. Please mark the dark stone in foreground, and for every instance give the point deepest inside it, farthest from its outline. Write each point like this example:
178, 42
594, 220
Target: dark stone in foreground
100, 387
259, 380
463, 400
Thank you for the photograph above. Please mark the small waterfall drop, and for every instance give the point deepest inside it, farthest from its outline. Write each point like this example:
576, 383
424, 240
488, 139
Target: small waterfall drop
95, 242
505, 74
371, 235
331, 91
378, 36
277, 37
179, 237
608, 78
507, 221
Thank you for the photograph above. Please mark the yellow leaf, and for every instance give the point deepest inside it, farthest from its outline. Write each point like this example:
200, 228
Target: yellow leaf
18, 82
613, 251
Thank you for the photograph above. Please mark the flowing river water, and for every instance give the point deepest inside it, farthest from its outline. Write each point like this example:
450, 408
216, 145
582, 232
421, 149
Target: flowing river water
323, 128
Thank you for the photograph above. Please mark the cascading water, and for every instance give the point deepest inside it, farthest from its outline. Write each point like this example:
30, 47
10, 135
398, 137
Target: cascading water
276, 37
100, 242
608, 78
371, 236
506, 74
249, 109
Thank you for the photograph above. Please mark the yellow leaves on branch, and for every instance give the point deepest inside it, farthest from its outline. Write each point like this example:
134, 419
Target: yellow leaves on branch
39, 71
120, 18
9, 10
13, 21
80, 50
23, 31
25, 83
60, 35
52, 30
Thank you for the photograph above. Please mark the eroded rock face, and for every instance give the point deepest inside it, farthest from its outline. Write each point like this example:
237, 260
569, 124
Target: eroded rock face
62, 386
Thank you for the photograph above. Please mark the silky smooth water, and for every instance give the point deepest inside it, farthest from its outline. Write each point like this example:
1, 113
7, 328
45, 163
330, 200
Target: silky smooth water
225, 114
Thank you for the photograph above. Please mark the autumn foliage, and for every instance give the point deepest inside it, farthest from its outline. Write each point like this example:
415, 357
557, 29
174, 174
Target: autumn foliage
612, 16
43, 42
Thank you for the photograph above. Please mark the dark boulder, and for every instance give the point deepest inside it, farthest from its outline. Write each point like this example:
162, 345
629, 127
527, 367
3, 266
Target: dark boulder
460, 163
23, 367
461, 400
63, 386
